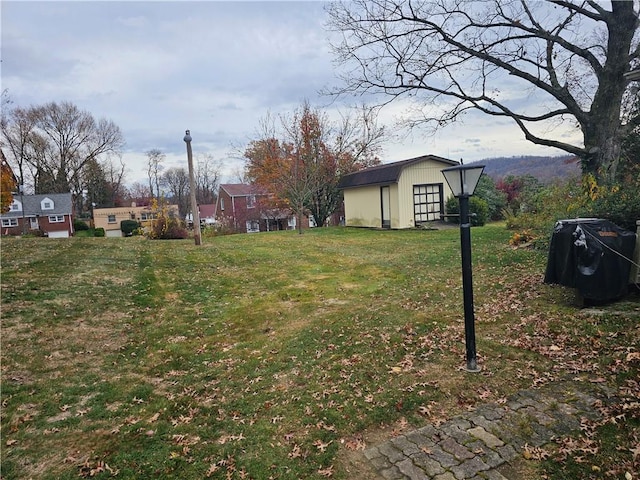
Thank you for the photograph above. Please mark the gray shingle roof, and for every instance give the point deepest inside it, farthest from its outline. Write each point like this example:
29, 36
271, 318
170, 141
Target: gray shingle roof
387, 173
31, 205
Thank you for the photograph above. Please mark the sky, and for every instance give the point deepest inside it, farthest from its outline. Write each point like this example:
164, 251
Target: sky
216, 68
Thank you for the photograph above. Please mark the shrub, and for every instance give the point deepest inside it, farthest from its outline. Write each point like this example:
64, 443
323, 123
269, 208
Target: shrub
99, 232
128, 227
618, 202
167, 226
79, 225
496, 199
478, 209
34, 233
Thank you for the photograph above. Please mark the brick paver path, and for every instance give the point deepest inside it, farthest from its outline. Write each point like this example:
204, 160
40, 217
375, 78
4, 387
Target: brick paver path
475, 444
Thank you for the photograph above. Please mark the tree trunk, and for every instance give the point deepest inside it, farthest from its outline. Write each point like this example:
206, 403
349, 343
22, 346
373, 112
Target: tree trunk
603, 132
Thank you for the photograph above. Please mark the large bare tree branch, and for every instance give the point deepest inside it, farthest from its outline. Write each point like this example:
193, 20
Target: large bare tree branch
450, 56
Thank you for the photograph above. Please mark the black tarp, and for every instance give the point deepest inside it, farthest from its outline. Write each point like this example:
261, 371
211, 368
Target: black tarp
591, 255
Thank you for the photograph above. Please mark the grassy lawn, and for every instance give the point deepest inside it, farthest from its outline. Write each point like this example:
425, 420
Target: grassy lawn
279, 355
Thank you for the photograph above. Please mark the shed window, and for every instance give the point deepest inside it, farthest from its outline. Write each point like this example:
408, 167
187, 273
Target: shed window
428, 202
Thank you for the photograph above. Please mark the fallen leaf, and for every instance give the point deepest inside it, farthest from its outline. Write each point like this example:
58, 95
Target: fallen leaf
295, 452
633, 356
326, 472
320, 445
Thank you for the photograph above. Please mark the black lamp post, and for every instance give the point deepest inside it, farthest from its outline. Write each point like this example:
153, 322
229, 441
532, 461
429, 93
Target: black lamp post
463, 180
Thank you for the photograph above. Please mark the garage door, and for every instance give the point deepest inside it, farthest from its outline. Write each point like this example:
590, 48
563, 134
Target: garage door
63, 234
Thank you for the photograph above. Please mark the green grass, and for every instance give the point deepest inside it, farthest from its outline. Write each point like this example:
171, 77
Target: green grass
266, 356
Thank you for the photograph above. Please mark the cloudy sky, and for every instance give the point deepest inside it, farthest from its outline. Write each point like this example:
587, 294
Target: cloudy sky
216, 68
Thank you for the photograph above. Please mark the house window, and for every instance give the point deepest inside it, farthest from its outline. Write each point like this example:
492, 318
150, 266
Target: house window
15, 206
428, 202
222, 204
46, 204
253, 226
251, 201
9, 222
56, 218
111, 219
148, 216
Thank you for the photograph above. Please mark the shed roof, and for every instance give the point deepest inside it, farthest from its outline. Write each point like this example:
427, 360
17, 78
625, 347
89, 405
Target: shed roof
388, 172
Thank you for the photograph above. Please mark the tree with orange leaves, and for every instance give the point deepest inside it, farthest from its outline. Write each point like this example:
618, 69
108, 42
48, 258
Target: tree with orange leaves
7, 184
300, 164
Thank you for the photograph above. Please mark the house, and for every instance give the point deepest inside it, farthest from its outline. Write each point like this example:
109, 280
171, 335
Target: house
244, 208
207, 213
110, 218
51, 214
403, 194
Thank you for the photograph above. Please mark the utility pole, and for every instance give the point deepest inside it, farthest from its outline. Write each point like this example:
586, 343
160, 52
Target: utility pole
195, 213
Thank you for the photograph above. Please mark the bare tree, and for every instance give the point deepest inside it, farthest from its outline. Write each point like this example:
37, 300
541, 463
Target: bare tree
17, 127
207, 174
140, 194
154, 166
54, 142
452, 56
176, 180
114, 175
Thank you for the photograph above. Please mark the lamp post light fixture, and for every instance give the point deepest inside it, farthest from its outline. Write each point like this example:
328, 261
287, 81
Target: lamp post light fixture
463, 180
195, 213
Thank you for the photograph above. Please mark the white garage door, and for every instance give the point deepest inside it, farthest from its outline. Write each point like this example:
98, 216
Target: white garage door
63, 234
113, 233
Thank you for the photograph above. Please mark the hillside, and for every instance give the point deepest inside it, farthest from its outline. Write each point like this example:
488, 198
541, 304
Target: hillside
545, 169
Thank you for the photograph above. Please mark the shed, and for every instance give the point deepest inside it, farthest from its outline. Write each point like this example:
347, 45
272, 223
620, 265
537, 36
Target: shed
404, 194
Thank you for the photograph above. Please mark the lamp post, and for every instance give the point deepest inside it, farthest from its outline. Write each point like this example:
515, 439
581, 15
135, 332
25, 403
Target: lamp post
195, 214
463, 180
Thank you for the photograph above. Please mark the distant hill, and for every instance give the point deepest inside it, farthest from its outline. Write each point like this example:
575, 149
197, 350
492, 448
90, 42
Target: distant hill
545, 169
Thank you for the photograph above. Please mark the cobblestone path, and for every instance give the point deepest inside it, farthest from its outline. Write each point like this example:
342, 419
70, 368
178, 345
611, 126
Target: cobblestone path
474, 445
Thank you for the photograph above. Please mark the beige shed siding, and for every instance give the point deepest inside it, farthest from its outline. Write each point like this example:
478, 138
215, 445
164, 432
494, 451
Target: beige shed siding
395, 206
362, 207
428, 172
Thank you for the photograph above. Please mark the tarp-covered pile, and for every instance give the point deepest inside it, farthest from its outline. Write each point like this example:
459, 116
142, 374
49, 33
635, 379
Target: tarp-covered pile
591, 255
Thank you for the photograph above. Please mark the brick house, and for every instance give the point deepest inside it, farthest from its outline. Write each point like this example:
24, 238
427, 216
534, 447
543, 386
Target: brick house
50, 214
244, 208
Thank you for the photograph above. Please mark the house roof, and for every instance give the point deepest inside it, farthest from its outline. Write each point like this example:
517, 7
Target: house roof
388, 172
241, 189
207, 210
32, 205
